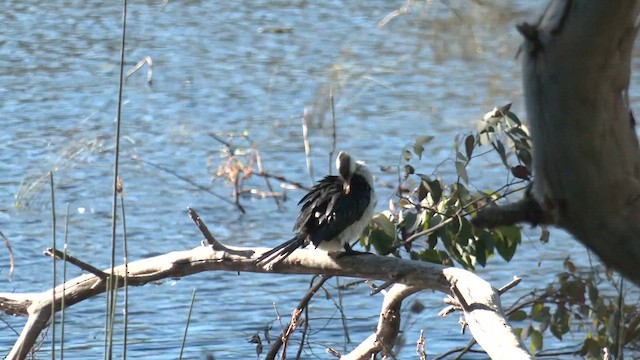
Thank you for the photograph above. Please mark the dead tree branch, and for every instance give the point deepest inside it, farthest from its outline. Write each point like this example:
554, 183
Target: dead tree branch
483, 312
383, 339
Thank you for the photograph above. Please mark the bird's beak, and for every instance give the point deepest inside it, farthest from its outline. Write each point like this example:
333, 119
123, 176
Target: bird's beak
347, 187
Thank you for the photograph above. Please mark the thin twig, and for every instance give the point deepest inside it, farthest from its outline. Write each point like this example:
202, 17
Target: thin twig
395, 13
12, 261
192, 183
266, 179
450, 351
305, 331
64, 282
126, 270
618, 354
466, 349
516, 280
428, 231
112, 311
281, 342
305, 140
77, 262
114, 208
236, 189
146, 60
285, 180
53, 264
343, 316
186, 328
262, 194
193, 214
384, 286
215, 244
231, 148
421, 346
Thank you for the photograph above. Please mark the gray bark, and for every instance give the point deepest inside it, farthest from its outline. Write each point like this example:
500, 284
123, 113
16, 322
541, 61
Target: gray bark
576, 69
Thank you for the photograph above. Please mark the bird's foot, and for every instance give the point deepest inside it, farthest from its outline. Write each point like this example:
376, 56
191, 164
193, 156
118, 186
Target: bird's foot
351, 252
348, 251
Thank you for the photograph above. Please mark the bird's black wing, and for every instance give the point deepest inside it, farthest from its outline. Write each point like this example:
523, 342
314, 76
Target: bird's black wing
318, 199
327, 210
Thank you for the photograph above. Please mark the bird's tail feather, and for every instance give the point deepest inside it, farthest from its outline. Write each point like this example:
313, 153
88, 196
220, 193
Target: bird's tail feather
280, 252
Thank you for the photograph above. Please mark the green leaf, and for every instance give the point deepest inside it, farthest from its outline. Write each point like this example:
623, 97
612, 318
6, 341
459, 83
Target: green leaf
518, 315
486, 137
382, 233
514, 118
418, 145
593, 293
469, 145
518, 133
590, 347
464, 230
384, 223
380, 241
408, 170
536, 340
519, 332
544, 324
524, 334
524, 155
432, 256
430, 187
507, 240
462, 171
410, 222
560, 322
461, 157
481, 252
539, 313
501, 151
633, 329
432, 240
436, 190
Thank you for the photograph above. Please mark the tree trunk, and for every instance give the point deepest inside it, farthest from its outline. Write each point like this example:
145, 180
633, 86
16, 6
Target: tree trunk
576, 68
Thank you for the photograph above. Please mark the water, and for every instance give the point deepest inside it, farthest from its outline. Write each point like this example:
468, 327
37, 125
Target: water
432, 71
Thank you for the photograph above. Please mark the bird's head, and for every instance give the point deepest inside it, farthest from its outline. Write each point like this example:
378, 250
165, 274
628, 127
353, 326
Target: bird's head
346, 166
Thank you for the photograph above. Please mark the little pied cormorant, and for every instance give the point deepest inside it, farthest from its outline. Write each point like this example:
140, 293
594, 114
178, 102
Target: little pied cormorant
333, 213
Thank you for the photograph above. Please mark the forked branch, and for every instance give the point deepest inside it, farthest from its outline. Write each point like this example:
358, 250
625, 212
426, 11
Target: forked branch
483, 312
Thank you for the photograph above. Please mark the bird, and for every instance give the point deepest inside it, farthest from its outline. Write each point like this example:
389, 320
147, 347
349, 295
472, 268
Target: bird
334, 212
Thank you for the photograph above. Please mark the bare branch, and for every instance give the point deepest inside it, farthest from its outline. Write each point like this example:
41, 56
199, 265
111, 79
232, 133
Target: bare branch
383, 339
483, 313
281, 342
525, 210
12, 263
60, 255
